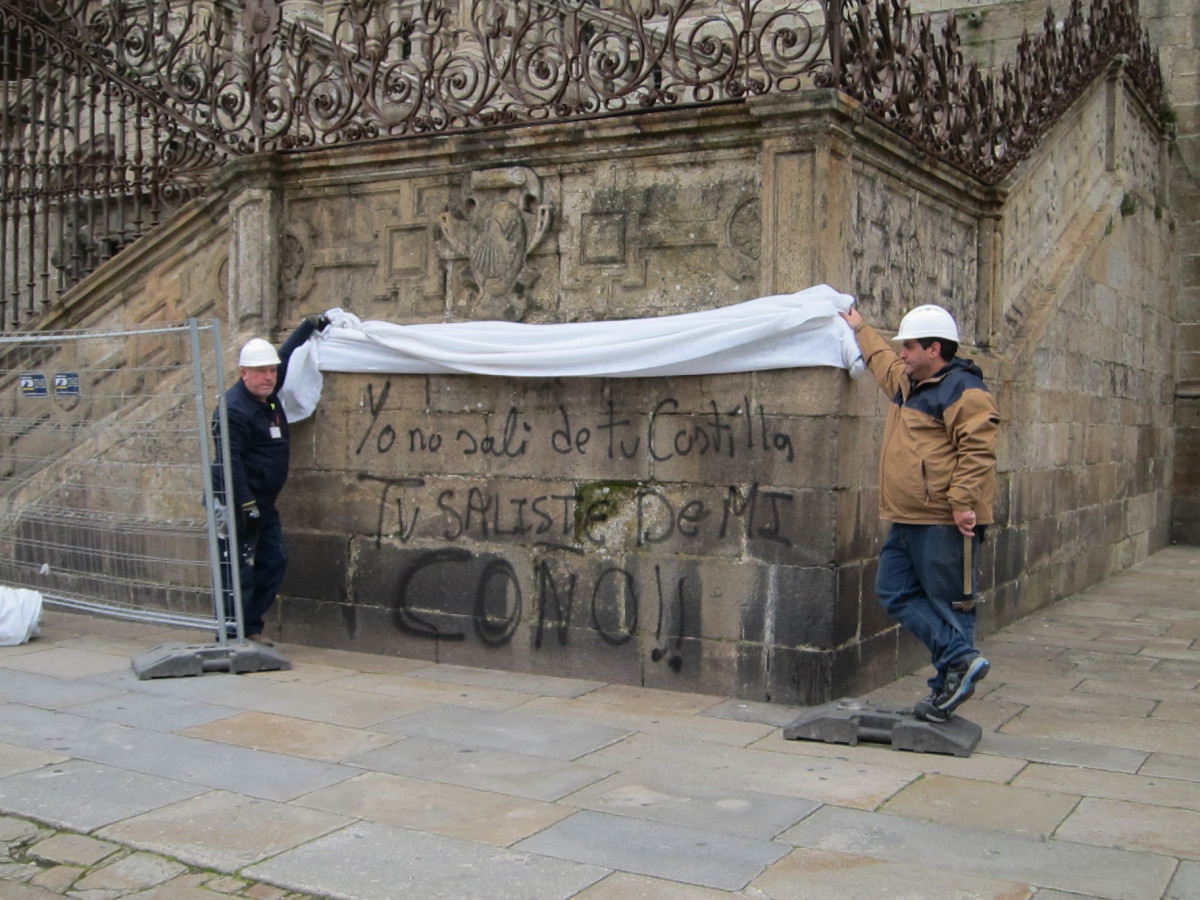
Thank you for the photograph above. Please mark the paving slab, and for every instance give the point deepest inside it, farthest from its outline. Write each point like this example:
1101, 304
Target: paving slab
271, 776
77, 849
808, 874
348, 661
222, 830
980, 766
67, 662
541, 685
518, 774
14, 891
1134, 826
690, 855
150, 711
777, 715
1062, 752
213, 687
1186, 883
1112, 874
1170, 766
48, 692
848, 781
1034, 693
1142, 788
369, 861
683, 724
1028, 812
431, 693
510, 731
289, 735
14, 758
483, 816
625, 886
1137, 733
83, 796
694, 803
137, 870
324, 703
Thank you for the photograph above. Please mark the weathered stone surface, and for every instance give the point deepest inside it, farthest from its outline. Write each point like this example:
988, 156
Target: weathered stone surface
713, 533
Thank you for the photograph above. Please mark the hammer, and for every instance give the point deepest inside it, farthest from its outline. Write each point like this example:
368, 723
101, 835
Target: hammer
967, 602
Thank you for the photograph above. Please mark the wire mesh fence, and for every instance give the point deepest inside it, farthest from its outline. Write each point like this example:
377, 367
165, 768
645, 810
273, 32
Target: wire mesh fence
105, 484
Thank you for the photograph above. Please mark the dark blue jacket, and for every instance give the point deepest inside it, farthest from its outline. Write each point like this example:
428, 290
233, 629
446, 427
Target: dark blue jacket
259, 460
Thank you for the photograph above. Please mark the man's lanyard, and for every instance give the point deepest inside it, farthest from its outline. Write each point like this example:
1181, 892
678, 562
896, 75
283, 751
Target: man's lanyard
276, 428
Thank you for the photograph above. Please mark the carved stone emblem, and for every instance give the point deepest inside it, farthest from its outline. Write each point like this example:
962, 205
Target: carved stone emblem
499, 222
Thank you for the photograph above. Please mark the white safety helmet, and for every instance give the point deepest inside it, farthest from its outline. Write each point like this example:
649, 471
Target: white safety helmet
257, 352
927, 321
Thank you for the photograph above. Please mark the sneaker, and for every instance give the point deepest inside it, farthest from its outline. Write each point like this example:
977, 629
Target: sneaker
961, 679
259, 639
925, 709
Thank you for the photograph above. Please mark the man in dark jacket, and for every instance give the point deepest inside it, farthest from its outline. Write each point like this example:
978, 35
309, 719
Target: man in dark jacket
259, 451
937, 481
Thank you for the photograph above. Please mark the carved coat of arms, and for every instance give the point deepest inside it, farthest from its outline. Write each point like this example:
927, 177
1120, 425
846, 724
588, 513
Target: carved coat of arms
500, 221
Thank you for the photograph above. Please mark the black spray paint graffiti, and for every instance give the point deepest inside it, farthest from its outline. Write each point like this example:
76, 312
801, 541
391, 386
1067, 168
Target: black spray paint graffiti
574, 520
742, 429
613, 604
609, 603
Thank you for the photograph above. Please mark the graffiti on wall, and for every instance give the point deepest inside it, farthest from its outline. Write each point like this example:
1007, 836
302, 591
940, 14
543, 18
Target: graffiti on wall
588, 560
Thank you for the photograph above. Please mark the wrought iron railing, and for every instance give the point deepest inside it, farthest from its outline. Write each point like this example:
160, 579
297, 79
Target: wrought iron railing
114, 112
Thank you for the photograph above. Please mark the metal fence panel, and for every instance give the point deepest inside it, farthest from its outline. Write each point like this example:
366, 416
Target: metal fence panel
105, 483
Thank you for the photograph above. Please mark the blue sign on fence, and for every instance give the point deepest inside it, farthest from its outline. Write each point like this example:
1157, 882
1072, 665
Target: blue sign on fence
66, 384
33, 384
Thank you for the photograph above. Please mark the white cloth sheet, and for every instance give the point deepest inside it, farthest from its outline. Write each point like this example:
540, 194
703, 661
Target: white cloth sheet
20, 615
776, 332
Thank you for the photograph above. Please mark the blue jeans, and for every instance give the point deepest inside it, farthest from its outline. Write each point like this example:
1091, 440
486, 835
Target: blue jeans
262, 561
920, 577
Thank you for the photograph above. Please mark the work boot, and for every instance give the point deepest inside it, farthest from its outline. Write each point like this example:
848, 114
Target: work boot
961, 678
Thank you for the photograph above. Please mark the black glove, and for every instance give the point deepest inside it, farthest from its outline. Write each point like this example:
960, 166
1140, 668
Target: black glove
248, 520
320, 323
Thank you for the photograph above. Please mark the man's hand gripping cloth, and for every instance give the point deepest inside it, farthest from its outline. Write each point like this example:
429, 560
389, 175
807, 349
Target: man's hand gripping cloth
777, 332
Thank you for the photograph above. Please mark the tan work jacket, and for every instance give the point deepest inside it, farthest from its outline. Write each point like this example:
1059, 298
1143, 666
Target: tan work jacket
939, 446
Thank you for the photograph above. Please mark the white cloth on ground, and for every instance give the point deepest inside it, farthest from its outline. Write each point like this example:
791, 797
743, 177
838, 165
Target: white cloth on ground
20, 613
776, 332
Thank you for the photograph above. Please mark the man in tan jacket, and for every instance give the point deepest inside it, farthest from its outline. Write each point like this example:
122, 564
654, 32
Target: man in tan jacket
937, 480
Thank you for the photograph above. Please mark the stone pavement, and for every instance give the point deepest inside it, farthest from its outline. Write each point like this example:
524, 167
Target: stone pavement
378, 778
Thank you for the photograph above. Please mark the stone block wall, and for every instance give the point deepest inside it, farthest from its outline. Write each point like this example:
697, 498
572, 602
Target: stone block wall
991, 30
714, 533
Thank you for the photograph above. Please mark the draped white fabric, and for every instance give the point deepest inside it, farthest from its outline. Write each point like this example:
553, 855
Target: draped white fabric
20, 615
776, 332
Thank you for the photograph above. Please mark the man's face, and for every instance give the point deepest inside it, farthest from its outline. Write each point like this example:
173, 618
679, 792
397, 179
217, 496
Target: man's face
259, 380
920, 363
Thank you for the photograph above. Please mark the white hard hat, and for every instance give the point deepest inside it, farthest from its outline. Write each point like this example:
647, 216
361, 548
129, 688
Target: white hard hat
257, 352
927, 321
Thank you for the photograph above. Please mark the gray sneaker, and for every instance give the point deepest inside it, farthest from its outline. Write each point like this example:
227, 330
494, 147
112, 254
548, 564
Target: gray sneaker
961, 679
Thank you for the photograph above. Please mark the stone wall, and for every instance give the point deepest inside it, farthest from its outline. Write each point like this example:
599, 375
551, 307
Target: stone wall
712, 534
991, 30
